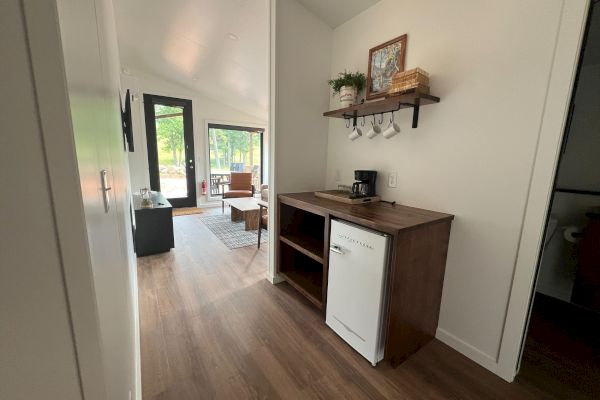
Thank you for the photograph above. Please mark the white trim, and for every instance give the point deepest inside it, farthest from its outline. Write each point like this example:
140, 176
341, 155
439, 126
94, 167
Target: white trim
566, 56
272, 275
465, 348
57, 131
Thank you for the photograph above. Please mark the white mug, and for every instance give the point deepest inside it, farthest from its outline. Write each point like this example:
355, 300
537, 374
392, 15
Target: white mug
374, 131
355, 134
392, 130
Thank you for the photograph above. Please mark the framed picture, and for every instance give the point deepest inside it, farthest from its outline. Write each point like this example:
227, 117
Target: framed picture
384, 61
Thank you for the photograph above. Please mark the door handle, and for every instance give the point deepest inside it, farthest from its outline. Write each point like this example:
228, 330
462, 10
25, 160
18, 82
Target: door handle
336, 249
105, 189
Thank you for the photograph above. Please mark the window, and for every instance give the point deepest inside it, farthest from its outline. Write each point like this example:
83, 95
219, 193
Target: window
234, 149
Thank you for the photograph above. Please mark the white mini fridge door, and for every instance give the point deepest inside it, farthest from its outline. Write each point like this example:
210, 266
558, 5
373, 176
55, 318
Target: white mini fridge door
358, 259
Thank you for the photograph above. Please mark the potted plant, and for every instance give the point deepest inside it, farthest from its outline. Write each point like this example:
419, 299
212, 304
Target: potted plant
348, 85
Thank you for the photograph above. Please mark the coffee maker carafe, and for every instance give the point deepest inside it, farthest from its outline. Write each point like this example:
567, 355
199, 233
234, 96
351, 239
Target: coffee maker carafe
365, 184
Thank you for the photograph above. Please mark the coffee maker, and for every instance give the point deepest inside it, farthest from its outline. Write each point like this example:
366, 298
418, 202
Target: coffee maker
364, 185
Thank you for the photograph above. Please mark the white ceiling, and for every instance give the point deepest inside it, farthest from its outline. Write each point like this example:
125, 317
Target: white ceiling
336, 12
186, 42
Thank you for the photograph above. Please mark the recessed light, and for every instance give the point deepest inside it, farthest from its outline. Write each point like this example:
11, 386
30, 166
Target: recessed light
232, 36
194, 78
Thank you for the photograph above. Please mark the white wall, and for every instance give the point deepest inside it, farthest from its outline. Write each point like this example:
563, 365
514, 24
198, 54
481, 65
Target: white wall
302, 60
203, 109
472, 154
36, 344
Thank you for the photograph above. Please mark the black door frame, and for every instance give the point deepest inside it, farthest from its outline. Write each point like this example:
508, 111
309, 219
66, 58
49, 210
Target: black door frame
245, 128
150, 100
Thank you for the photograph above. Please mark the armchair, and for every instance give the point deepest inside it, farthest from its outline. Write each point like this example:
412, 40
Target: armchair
240, 185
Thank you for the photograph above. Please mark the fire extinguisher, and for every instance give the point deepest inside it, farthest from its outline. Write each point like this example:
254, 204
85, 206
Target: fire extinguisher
203, 186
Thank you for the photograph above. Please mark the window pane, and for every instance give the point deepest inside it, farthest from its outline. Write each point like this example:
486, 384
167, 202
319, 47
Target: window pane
233, 150
171, 151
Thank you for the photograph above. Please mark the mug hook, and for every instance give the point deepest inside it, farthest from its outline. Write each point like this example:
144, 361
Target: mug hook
362, 123
380, 118
347, 123
392, 117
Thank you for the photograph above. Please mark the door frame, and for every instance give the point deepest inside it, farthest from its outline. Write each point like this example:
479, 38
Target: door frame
54, 116
550, 137
152, 149
246, 127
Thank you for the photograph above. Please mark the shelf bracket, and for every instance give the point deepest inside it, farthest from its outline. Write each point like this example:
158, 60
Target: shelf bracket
415, 121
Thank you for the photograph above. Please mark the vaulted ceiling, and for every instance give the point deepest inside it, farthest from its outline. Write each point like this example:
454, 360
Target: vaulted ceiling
216, 47
336, 12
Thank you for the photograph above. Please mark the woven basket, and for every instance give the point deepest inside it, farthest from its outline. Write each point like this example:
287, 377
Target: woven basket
415, 78
400, 89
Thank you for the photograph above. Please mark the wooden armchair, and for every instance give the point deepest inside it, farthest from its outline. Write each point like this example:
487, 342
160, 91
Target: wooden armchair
263, 218
240, 185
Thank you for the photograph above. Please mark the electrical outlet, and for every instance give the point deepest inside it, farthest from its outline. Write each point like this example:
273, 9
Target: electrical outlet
392, 179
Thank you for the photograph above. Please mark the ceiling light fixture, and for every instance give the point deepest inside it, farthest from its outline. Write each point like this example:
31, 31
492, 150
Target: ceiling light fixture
232, 36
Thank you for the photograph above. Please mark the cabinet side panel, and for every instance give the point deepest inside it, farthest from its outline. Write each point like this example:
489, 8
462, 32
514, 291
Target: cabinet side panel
417, 278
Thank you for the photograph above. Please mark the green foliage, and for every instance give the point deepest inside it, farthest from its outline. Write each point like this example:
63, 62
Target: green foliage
356, 79
231, 146
169, 133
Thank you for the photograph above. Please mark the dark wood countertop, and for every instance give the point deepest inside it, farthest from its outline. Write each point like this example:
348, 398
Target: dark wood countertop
379, 216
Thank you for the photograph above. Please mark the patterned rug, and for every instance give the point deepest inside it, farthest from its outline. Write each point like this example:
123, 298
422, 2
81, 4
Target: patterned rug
232, 234
186, 211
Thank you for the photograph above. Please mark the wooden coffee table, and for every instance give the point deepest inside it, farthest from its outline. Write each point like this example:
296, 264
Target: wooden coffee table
244, 209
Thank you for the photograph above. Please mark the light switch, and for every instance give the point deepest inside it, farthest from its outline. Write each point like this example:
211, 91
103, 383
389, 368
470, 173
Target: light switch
392, 179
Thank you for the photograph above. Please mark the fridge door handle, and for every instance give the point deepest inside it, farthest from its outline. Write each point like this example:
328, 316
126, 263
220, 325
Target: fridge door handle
336, 249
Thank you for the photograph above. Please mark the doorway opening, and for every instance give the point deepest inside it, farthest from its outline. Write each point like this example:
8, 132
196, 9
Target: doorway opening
562, 344
234, 149
170, 142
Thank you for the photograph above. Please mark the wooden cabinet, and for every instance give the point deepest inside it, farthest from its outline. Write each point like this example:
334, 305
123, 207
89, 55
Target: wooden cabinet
153, 226
419, 246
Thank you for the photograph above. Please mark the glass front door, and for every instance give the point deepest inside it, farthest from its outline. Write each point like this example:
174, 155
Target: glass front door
170, 142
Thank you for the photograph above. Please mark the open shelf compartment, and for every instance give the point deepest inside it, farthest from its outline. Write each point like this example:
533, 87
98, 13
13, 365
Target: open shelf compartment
303, 273
302, 230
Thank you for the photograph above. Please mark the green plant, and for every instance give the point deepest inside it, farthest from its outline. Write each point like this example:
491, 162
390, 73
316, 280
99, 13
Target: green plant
356, 79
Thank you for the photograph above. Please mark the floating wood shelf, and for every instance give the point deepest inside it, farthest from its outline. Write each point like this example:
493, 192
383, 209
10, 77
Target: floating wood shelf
411, 99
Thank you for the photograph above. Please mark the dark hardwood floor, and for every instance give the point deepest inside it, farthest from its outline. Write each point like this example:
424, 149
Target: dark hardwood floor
562, 350
212, 327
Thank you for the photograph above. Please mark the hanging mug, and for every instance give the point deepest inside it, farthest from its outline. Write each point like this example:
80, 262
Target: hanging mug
392, 130
374, 131
355, 134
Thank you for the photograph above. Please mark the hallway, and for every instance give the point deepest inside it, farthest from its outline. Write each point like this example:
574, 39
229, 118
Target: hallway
213, 327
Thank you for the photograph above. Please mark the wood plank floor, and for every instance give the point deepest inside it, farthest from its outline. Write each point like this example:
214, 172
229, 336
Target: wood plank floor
212, 327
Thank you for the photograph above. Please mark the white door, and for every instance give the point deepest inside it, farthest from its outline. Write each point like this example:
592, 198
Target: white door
357, 271
92, 71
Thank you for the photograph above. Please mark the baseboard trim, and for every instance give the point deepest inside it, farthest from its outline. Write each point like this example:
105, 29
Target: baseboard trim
485, 360
274, 279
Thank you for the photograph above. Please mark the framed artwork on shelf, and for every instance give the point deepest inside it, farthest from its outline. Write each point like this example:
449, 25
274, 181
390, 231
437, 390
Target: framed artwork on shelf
385, 60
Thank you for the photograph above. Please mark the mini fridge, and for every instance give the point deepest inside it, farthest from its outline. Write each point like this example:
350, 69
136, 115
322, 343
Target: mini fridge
358, 264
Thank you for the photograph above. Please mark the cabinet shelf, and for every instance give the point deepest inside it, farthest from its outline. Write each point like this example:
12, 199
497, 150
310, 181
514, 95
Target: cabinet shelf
304, 282
410, 99
307, 245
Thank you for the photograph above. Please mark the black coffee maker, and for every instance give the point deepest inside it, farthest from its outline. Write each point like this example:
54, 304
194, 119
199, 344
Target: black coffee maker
365, 185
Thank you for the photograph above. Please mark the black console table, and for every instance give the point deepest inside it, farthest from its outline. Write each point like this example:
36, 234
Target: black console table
153, 226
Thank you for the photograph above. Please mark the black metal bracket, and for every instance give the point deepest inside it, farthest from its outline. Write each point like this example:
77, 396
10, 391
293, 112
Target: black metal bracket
415, 120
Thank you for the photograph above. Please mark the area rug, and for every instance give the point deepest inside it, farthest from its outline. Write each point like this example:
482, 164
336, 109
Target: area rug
186, 211
232, 234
